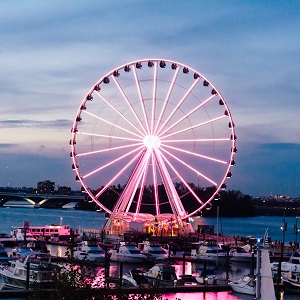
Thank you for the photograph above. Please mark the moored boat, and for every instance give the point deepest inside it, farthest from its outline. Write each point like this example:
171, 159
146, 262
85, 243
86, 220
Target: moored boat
7, 240
209, 252
161, 275
17, 276
154, 252
127, 253
245, 285
239, 254
134, 278
292, 284
90, 252
3, 254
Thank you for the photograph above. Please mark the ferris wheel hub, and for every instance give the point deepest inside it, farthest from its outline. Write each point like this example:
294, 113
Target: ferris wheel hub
151, 141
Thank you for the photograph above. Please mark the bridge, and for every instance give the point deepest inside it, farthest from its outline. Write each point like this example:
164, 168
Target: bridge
40, 200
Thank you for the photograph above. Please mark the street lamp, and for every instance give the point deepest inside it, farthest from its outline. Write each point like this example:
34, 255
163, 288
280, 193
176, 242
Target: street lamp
296, 229
283, 229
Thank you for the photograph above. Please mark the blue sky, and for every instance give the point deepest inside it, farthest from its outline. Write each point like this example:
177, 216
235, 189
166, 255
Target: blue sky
52, 52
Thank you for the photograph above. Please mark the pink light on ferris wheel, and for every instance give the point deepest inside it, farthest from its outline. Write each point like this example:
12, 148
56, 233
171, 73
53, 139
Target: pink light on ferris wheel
153, 123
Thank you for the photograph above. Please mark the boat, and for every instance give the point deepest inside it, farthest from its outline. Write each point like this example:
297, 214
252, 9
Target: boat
16, 275
21, 251
3, 254
245, 285
287, 267
206, 275
134, 278
173, 250
292, 284
260, 285
161, 275
239, 254
154, 252
7, 240
209, 252
90, 252
22, 235
127, 253
48, 232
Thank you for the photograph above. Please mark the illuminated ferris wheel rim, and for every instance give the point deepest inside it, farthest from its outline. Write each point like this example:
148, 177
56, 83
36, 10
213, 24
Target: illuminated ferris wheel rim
149, 138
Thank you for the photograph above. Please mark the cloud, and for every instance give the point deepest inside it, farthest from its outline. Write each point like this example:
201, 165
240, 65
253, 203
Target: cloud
59, 123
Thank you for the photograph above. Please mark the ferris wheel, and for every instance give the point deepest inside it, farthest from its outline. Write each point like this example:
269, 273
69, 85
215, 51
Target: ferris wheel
157, 133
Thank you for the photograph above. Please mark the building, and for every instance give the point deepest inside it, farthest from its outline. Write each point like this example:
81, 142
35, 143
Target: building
45, 187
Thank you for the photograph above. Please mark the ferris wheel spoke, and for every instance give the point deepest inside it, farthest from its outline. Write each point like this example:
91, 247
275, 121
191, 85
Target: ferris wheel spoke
138, 86
138, 205
154, 96
195, 154
177, 106
108, 149
129, 104
193, 127
197, 140
175, 202
155, 185
167, 99
125, 200
109, 136
188, 114
190, 167
119, 113
113, 124
182, 180
112, 162
118, 174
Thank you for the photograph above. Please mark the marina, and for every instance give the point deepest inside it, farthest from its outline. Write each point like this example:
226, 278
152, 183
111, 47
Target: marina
84, 219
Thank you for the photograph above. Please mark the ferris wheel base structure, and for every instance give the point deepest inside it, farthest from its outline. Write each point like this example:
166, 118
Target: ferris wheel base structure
160, 129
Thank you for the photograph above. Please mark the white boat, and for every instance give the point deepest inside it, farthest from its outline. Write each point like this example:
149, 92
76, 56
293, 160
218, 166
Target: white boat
212, 253
287, 267
173, 250
154, 252
239, 254
292, 284
16, 275
260, 285
90, 252
127, 253
245, 285
134, 278
161, 275
21, 235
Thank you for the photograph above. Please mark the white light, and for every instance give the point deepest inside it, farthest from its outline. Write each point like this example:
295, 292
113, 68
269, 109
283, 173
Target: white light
151, 141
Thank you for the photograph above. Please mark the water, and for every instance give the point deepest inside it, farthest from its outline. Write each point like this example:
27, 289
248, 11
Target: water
14, 217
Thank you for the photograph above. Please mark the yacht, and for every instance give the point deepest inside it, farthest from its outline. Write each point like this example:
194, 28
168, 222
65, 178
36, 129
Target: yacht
7, 240
154, 252
292, 284
239, 254
161, 275
209, 252
245, 285
127, 253
90, 252
134, 278
17, 276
